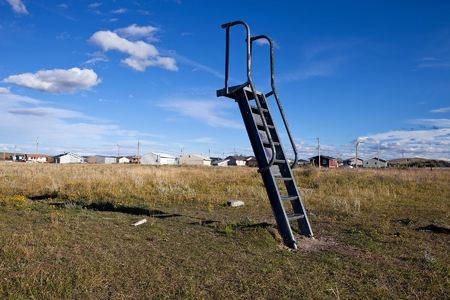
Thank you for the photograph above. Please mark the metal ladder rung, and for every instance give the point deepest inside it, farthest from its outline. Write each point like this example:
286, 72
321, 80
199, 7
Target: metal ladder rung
283, 178
268, 144
268, 126
288, 198
279, 161
255, 108
293, 217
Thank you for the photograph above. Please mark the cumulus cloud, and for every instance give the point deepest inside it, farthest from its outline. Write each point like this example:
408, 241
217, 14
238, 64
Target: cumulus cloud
441, 110
23, 118
56, 80
119, 11
431, 143
210, 112
135, 31
18, 6
141, 54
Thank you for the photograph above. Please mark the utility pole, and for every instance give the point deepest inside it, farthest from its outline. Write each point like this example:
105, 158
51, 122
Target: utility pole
356, 155
14, 157
138, 151
318, 150
209, 153
118, 150
378, 155
37, 145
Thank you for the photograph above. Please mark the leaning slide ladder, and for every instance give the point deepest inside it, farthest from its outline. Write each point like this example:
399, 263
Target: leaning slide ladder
266, 143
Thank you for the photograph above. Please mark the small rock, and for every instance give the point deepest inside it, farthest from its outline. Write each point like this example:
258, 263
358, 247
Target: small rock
235, 203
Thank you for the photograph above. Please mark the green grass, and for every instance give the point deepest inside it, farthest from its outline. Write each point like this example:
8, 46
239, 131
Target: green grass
193, 246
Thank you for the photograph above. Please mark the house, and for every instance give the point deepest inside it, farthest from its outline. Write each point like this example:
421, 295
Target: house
134, 159
375, 163
223, 163
68, 158
124, 160
153, 158
215, 160
251, 162
39, 158
100, 159
19, 157
303, 162
236, 160
350, 162
325, 161
194, 160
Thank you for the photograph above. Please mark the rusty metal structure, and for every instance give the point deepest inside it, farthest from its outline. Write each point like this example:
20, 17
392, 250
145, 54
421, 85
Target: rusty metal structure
275, 169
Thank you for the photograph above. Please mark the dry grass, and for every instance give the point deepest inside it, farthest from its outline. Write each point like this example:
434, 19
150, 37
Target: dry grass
193, 246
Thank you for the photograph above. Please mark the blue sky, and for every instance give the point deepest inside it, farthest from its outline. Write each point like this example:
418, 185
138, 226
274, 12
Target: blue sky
85, 76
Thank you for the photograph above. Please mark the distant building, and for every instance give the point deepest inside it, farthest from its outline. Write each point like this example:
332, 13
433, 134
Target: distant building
251, 162
68, 158
100, 159
236, 160
375, 163
215, 160
303, 162
158, 159
38, 158
194, 160
350, 162
325, 161
124, 160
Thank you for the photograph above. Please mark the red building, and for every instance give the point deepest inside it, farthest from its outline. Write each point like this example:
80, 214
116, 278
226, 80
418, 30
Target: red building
325, 161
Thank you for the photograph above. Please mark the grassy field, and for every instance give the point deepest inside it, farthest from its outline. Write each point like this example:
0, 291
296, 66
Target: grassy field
65, 232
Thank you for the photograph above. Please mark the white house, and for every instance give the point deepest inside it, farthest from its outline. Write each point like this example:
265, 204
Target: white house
68, 158
124, 160
375, 163
194, 160
39, 158
351, 162
236, 160
100, 159
153, 158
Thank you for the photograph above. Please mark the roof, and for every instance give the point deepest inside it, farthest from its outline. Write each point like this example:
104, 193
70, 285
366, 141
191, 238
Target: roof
196, 155
237, 157
379, 159
68, 153
160, 154
352, 159
322, 156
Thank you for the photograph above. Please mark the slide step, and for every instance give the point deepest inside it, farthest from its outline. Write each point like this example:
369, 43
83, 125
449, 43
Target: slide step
255, 109
288, 198
293, 217
279, 161
283, 178
274, 143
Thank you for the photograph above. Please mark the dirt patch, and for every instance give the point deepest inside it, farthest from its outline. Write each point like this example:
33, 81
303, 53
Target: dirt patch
315, 244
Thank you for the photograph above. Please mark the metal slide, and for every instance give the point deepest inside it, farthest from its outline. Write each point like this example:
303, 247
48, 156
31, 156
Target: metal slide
266, 143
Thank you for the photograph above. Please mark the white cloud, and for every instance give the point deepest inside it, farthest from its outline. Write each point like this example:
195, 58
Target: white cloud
18, 6
263, 42
119, 11
436, 123
141, 54
95, 4
22, 119
441, 110
4, 90
431, 143
210, 112
135, 32
56, 80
